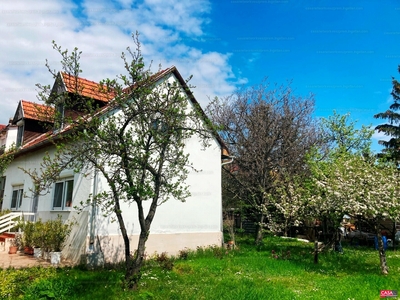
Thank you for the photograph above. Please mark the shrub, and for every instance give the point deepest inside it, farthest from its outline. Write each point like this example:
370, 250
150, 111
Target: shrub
183, 254
41, 235
58, 232
165, 262
28, 229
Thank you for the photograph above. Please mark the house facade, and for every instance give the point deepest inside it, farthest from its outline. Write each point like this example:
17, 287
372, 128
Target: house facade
96, 236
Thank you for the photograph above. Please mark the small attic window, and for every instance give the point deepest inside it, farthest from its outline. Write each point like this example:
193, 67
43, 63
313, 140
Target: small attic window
60, 109
20, 133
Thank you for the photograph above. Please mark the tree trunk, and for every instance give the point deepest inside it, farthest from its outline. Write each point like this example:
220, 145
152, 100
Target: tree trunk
128, 258
133, 275
316, 249
285, 233
381, 249
260, 235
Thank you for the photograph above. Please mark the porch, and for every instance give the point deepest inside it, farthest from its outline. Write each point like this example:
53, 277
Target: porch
7, 234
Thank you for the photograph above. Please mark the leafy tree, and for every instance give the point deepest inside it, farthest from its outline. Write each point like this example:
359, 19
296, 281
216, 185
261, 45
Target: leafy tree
5, 159
340, 134
392, 128
136, 142
269, 132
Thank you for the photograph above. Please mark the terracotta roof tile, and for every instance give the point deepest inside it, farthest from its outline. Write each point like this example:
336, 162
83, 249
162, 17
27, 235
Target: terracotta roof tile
2, 126
36, 111
86, 88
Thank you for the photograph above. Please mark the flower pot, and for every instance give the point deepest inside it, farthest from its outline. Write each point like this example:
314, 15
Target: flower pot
28, 250
55, 258
37, 252
13, 250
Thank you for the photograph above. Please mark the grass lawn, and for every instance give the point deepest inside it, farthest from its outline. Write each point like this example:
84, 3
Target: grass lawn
278, 269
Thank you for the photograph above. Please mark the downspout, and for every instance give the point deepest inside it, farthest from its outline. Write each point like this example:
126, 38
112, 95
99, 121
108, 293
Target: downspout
222, 216
93, 213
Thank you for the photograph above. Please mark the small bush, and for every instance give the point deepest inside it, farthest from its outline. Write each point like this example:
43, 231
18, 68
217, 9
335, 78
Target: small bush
183, 254
165, 262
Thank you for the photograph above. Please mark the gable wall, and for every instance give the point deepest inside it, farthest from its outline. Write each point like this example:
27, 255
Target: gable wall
176, 225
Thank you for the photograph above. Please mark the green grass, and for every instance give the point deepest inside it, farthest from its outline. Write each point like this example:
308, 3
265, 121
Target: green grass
278, 269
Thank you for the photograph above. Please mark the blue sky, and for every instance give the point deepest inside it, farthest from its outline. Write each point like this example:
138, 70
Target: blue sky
343, 52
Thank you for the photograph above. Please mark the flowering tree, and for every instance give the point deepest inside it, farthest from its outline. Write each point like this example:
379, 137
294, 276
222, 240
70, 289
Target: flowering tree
359, 186
341, 137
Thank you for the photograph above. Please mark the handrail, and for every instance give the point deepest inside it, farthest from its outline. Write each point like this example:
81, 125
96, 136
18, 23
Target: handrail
9, 221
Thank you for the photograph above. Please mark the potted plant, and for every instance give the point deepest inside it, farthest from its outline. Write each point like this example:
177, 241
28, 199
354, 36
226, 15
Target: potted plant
28, 229
39, 238
58, 233
15, 243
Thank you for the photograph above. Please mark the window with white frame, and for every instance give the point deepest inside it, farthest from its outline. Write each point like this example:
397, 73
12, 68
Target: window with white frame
16, 198
62, 197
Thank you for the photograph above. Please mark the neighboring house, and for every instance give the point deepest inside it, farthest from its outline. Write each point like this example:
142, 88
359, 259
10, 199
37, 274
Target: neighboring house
177, 225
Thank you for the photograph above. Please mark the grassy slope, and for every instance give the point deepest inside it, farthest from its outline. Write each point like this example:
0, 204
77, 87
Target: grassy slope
245, 273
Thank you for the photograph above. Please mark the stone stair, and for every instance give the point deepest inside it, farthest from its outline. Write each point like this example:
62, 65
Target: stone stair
5, 242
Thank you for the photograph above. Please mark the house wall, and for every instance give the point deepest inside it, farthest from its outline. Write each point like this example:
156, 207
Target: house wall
15, 176
176, 225
10, 136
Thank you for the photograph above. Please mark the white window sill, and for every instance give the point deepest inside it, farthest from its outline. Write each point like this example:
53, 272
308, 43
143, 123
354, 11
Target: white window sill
61, 209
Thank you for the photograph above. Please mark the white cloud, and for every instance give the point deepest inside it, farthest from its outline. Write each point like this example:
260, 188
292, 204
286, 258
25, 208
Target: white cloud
380, 136
102, 30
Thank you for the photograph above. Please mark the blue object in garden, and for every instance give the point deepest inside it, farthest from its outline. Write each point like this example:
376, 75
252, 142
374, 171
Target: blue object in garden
384, 240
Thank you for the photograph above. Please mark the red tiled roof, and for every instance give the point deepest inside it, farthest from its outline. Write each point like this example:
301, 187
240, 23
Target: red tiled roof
96, 91
86, 88
36, 111
2, 126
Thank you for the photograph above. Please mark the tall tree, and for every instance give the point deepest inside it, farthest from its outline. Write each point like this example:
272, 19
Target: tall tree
136, 142
392, 128
269, 132
341, 137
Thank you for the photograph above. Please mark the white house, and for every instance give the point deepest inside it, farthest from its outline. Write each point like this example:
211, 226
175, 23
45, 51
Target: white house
177, 225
